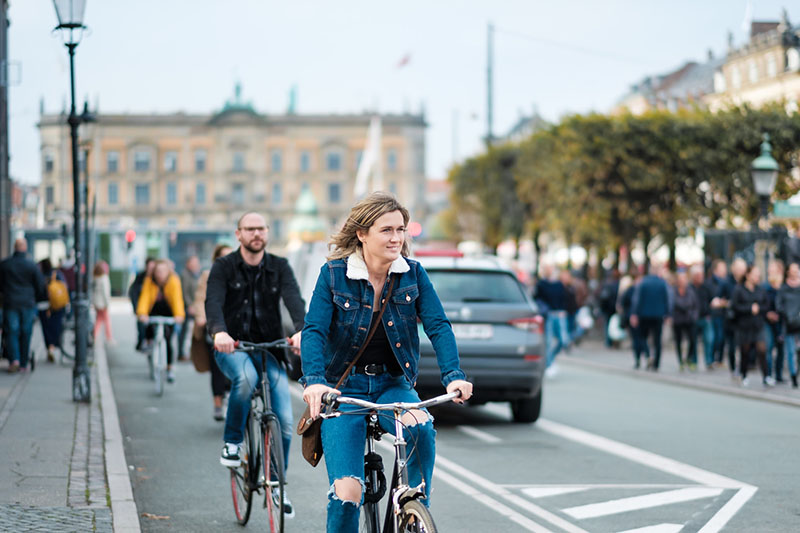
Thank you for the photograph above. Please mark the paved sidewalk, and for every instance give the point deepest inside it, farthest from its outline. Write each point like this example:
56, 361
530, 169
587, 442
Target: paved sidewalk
594, 353
57, 457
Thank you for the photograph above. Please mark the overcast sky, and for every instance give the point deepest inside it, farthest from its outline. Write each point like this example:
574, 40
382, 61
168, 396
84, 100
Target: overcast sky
185, 55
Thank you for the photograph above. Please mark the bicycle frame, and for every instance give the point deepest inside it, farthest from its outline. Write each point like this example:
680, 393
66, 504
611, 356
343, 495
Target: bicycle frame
399, 490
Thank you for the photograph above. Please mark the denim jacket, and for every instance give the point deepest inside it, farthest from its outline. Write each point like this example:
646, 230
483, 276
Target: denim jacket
338, 321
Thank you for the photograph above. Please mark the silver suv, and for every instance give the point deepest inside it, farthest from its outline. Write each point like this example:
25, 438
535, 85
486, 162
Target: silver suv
498, 330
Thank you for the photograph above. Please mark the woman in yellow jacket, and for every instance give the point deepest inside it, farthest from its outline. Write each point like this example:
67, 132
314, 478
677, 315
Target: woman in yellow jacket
162, 296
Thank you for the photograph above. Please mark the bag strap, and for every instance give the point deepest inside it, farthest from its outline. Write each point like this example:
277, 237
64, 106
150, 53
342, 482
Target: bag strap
369, 336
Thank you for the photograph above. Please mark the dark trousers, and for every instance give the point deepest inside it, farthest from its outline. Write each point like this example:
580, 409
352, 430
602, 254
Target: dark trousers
219, 383
150, 333
730, 344
718, 323
182, 336
651, 328
52, 326
681, 331
750, 351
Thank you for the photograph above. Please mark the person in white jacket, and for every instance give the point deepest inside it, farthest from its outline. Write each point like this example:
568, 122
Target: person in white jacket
101, 297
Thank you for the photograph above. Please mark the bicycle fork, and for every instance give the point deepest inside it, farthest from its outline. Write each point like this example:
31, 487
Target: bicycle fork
401, 492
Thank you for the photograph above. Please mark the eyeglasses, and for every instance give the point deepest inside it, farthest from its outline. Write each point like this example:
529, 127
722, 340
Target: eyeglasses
254, 229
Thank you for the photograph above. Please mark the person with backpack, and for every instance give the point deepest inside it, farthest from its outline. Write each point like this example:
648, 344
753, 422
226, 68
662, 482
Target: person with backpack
52, 318
101, 297
21, 285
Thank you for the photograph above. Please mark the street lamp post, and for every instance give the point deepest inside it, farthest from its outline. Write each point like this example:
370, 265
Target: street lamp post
70, 22
764, 171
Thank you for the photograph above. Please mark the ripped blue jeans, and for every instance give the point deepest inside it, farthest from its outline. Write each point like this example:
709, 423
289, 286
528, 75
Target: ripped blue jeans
344, 437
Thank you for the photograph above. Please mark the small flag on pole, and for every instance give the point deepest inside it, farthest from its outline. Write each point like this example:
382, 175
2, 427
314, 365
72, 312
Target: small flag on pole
404, 61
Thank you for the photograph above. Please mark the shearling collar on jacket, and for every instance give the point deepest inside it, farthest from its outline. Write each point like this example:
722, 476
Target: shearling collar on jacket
357, 268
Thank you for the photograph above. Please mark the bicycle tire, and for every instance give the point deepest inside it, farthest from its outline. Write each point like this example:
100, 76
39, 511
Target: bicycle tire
415, 518
274, 480
160, 373
242, 479
367, 522
66, 345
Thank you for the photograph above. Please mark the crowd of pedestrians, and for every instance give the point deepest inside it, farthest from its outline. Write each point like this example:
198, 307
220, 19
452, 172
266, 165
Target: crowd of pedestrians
740, 317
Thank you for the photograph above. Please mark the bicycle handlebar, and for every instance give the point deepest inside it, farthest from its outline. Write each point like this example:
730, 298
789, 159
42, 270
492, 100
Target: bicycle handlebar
157, 319
246, 346
332, 399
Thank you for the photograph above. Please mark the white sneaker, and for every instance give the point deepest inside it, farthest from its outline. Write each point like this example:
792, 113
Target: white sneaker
769, 381
230, 455
288, 508
745, 382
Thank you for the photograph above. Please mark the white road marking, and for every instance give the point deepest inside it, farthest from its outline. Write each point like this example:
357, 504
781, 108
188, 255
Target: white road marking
637, 455
635, 503
488, 501
670, 466
544, 492
519, 501
480, 435
660, 528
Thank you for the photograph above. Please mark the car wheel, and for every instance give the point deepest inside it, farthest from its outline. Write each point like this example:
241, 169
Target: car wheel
527, 410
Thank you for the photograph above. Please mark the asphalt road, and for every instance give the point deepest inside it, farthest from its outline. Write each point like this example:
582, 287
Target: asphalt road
610, 454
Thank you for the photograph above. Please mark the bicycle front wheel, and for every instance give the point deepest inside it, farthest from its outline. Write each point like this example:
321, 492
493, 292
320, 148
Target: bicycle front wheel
242, 478
273, 475
160, 370
415, 518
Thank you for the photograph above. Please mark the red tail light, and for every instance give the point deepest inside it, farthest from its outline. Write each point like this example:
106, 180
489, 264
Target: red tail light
534, 324
532, 357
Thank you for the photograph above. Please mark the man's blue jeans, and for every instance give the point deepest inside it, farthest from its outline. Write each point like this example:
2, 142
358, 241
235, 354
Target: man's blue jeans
556, 332
343, 441
704, 327
789, 347
18, 324
240, 368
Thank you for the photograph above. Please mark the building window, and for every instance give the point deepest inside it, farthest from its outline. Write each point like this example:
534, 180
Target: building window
334, 193
277, 193
333, 162
142, 194
172, 223
736, 78
305, 161
238, 161
82, 160
171, 161
200, 157
113, 193
772, 66
753, 71
49, 195
49, 163
391, 160
141, 161
276, 228
112, 162
393, 188
237, 193
200, 194
172, 193
276, 161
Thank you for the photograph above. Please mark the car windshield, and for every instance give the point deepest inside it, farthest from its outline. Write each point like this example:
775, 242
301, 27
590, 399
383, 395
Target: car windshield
476, 286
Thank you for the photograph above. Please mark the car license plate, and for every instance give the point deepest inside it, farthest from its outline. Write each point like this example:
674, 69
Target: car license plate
473, 331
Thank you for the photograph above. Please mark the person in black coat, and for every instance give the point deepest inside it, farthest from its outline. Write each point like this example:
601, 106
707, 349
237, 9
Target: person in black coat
704, 326
609, 294
685, 311
749, 304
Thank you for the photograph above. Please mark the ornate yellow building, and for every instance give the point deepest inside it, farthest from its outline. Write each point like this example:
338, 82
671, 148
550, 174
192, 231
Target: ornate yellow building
201, 172
766, 69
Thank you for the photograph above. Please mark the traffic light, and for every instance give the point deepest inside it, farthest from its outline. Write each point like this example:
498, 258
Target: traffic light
130, 236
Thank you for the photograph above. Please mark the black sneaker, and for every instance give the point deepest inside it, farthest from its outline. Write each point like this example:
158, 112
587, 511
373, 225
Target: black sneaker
230, 455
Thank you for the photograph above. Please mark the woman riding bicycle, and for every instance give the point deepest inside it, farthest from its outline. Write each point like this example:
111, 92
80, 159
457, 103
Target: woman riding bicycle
370, 250
162, 296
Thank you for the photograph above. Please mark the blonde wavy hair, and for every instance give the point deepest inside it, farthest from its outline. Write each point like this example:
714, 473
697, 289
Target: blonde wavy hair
362, 216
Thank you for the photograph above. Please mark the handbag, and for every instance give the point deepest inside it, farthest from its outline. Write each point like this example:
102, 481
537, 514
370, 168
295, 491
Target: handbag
311, 428
199, 352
